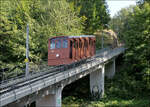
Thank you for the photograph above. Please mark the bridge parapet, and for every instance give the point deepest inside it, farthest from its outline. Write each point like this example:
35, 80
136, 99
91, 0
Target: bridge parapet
35, 85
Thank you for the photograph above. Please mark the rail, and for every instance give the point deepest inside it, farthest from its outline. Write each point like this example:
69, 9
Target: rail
46, 70
20, 88
17, 73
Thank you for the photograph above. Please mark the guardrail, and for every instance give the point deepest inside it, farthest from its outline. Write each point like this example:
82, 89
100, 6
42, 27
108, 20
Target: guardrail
47, 69
11, 76
36, 84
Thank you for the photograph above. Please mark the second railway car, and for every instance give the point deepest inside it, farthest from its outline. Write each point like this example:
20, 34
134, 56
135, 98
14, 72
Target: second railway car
68, 49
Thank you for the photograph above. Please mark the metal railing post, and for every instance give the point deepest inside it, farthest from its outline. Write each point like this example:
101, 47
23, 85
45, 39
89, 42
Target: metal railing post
27, 52
102, 44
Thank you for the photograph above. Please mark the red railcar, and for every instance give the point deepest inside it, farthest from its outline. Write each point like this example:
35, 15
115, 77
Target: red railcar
68, 49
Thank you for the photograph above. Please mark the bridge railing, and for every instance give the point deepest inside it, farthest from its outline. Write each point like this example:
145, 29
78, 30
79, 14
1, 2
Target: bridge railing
13, 76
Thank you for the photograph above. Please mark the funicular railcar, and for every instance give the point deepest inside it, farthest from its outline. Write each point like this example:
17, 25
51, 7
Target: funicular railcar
68, 49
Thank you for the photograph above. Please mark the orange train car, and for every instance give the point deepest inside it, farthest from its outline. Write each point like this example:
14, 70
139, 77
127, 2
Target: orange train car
64, 50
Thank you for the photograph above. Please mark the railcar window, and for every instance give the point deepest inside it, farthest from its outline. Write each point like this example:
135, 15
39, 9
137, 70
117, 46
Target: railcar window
52, 44
58, 43
65, 43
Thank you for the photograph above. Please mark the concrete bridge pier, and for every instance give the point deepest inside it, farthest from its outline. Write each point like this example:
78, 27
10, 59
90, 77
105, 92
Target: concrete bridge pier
51, 100
97, 83
110, 69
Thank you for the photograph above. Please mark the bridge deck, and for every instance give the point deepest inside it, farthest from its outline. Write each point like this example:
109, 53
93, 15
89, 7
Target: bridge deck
33, 85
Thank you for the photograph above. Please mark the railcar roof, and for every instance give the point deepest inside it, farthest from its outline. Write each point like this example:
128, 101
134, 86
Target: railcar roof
73, 36
81, 36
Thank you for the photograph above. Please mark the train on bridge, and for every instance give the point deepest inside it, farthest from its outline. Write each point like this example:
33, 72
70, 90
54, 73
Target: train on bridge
64, 50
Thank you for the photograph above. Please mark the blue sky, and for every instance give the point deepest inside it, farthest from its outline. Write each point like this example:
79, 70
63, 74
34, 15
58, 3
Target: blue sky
116, 5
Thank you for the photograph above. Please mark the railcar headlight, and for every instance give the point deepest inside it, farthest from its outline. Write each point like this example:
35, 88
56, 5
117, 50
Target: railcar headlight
57, 55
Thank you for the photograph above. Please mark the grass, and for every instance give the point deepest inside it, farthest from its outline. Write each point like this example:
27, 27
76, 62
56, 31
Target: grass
106, 102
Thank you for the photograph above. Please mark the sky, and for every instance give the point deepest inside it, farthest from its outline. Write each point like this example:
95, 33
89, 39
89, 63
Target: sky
115, 5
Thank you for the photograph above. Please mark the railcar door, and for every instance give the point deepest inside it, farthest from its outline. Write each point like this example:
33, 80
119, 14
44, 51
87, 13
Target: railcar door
64, 48
76, 49
54, 48
91, 47
80, 48
86, 48
71, 50
58, 51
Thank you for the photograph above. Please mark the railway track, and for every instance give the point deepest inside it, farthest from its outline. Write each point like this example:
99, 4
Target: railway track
23, 83
51, 71
6, 87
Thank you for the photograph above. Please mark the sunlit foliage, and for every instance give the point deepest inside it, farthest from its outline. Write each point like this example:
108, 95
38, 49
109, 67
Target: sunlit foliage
94, 14
133, 25
46, 18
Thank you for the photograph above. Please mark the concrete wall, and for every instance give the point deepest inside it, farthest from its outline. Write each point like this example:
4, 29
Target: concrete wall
97, 83
110, 69
97, 79
51, 100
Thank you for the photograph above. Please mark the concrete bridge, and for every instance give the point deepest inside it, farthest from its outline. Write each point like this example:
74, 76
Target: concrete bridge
46, 89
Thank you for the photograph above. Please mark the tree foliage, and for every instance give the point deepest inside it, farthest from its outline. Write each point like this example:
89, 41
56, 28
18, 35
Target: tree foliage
134, 27
94, 14
118, 21
46, 18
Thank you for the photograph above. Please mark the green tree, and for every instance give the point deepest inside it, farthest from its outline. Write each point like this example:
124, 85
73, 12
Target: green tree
93, 12
46, 18
120, 19
134, 28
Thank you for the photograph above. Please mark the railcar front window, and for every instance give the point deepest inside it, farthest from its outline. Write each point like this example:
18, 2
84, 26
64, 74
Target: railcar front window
58, 44
65, 43
52, 44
